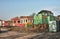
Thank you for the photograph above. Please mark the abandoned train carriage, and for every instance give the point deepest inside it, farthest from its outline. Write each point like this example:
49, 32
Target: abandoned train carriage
23, 21
15, 21
43, 17
41, 21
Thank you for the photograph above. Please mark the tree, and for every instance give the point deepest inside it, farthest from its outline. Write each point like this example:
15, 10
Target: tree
32, 14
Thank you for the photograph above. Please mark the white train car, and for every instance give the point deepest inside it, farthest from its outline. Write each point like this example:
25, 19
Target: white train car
54, 26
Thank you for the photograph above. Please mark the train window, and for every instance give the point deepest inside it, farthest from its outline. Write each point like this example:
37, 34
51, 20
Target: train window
26, 20
21, 21
18, 21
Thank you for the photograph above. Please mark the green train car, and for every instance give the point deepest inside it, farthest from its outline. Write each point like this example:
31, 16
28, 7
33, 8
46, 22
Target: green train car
43, 17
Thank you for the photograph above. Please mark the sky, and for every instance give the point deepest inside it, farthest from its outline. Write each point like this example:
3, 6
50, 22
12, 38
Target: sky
13, 8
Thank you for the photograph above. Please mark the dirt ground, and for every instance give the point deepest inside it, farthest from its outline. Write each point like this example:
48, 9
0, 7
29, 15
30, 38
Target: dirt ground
18, 35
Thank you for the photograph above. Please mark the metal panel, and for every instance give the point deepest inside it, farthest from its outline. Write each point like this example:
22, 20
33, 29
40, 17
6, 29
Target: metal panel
35, 19
48, 18
40, 18
44, 20
52, 26
58, 25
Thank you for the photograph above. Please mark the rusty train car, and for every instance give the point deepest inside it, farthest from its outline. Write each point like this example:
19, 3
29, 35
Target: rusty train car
39, 21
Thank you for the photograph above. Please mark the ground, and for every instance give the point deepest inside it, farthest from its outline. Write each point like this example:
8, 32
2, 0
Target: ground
18, 35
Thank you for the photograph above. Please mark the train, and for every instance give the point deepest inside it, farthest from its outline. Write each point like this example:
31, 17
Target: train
40, 20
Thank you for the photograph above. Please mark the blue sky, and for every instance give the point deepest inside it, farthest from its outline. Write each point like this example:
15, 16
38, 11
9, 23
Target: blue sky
13, 8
